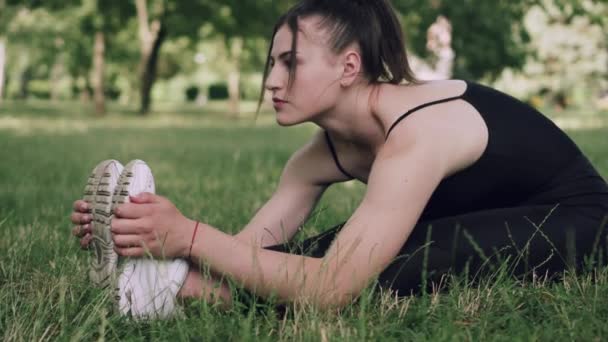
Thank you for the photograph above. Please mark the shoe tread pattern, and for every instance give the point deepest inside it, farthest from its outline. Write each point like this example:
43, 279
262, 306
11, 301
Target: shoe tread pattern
104, 258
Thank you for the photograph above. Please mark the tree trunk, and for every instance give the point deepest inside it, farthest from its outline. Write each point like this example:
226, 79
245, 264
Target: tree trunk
98, 73
24, 81
2, 67
56, 73
2, 57
85, 96
148, 72
234, 92
151, 36
234, 77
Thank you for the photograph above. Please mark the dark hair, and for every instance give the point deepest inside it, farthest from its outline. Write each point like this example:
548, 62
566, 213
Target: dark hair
373, 24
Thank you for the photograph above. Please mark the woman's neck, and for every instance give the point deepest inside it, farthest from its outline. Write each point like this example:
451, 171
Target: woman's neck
354, 118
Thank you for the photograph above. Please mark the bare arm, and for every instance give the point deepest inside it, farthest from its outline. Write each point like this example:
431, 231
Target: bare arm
366, 244
307, 174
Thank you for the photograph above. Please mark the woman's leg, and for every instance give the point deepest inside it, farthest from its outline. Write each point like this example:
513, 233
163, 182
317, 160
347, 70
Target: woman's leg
314, 247
532, 239
541, 240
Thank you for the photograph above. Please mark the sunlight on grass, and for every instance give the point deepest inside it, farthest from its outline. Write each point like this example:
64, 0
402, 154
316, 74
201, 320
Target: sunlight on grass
30, 126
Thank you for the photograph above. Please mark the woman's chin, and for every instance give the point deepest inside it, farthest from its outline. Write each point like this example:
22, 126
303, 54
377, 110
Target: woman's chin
285, 120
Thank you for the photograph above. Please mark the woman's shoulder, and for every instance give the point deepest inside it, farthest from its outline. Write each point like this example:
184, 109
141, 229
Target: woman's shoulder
434, 121
395, 100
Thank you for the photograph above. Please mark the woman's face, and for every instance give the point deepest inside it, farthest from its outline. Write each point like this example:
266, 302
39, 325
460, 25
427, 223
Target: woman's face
317, 80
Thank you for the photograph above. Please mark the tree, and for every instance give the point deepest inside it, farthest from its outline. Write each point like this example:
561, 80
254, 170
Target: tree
34, 44
159, 20
3, 18
2, 67
233, 16
7, 12
487, 35
151, 36
570, 61
595, 10
100, 20
48, 29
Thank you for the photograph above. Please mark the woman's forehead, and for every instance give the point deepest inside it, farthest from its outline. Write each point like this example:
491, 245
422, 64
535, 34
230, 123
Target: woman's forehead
309, 34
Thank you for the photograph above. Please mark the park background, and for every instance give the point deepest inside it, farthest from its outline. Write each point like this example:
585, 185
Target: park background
176, 83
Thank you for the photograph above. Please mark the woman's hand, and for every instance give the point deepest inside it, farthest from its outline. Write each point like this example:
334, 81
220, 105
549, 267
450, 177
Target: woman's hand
81, 217
151, 224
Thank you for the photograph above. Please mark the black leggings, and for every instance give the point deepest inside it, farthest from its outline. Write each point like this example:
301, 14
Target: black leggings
541, 240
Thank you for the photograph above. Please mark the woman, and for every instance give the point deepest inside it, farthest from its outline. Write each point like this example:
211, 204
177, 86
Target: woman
458, 176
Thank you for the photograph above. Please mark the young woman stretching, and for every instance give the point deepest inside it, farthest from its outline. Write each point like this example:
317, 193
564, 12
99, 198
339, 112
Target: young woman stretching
457, 175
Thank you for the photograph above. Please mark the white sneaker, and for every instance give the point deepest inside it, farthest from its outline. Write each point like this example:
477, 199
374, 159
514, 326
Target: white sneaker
146, 288
98, 194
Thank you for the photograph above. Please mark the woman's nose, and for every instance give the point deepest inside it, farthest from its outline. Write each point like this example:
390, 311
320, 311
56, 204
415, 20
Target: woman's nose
273, 82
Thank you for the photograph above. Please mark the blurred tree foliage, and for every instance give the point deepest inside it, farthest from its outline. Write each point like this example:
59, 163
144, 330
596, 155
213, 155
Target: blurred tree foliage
225, 41
243, 26
487, 35
99, 21
48, 39
35, 45
596, 11
569, 65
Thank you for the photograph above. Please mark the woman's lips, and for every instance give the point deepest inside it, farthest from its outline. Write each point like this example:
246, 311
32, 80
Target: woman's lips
278, 103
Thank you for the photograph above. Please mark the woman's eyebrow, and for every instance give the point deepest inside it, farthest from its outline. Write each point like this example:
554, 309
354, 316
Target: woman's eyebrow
283, 54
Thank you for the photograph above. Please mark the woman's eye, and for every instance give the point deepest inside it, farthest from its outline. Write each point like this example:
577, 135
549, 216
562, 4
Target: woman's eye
288, 63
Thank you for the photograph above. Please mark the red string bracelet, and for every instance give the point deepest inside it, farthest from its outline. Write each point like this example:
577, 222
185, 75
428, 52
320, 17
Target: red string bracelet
193, 236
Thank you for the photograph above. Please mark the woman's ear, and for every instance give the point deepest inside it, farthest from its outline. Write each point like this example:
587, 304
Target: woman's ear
352, 68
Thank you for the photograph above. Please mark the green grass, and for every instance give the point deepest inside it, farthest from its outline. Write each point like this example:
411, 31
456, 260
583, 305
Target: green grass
221, 171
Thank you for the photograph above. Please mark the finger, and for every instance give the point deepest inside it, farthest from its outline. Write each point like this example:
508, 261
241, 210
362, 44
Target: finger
132, 211
81, 230
144, 197
130, 252
86, 241
81, 206
79, 218
126, 241
126, 226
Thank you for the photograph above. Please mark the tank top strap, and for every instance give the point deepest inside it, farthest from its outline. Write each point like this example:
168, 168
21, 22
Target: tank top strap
335, 156
419, 108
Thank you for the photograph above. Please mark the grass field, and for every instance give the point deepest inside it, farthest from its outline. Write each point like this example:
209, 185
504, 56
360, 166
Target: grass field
221, 171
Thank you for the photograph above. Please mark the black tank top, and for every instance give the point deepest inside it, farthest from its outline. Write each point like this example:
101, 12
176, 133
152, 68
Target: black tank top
528, 161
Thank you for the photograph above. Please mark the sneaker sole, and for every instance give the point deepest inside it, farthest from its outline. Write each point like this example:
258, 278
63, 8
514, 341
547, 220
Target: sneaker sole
121, 193
104, 259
